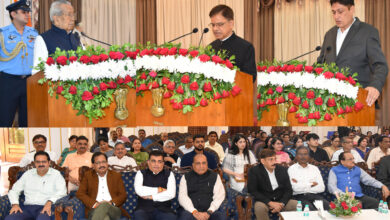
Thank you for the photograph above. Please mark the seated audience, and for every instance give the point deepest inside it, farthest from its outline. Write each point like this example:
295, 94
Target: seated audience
68, 150
270, 186
102, 190
114, 139
348, 176
121, 137
120, 158
188, 145
155, 187
42, 187
335, 146
39, 143
235, 160
214, 145
187, 159
383, 173
201, 192
297, 142
163, 138
138, 152
316, 152
104, 147
277, 146
306, 180
377, 153
347, 146
142, 137
362, 148
170, 158
74, 161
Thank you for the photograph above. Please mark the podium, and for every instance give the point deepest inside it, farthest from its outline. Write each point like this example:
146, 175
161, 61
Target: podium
47, 111
365, 117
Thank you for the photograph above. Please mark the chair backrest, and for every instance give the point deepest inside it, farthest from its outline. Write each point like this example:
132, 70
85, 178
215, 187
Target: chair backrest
211, 151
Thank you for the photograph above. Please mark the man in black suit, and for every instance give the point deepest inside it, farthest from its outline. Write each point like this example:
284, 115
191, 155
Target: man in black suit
355, 44
383, 174
270, 184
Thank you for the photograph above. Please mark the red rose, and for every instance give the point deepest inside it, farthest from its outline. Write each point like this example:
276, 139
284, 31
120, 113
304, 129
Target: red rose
128, 79
103, 57
331, 102
311, 116
270, 91
259, 96
297, 115
262, 105
279, 89
327, 117
217, 96
340, 76
143, 76
165, 80
291, 96
269, 102
172, 51
284, 68
258, 68
340, 111
95, 59
72, 59
194, 53
354, 209
297, 101
351, 80
95, 90
180, 90
120, 81
203, 102
317, 115
309, 69
152, 74
235, 90
103, 86
348, 109
155, 85
156, 52
332, 205
318, 101
178, 105
207, 87
50, 61
131, 54
298, 68
194, 86
171, 86
85, 59
60, 89
305, 104
225, 94
183, 52
328, 75
86, 96
358, 106
310, 94
186, 102
281, 99
318, 70
113, 55
185, 79
293, 109
290, 68
142, 87
345, 207
62, 60
228, 64
167, 95
271, 69
163, 51
302, 119
112, 85
216, 59
192, 100
277, 69
144, 52
73, 90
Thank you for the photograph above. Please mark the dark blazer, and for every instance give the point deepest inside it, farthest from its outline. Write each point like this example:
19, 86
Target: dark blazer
260, 187
383, 174
88, 189
361, 52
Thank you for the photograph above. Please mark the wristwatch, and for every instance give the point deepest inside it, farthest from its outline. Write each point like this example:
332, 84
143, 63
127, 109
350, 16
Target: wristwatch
209, 212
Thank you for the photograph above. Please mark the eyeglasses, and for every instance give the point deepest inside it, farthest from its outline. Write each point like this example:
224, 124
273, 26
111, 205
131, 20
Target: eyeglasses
218, 25
39, 142
171, 147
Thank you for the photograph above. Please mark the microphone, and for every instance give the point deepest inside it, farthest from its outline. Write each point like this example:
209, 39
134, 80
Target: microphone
317, 49
82, 33
195, 30
201, 37
326, 51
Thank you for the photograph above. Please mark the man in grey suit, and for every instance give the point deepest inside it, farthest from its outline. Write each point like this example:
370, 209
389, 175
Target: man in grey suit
355, 44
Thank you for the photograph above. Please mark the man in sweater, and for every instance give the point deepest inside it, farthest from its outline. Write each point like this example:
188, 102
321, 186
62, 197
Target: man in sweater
155, 187
201, 192
187, 159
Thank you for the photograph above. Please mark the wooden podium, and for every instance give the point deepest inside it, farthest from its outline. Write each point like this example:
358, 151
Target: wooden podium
365, 117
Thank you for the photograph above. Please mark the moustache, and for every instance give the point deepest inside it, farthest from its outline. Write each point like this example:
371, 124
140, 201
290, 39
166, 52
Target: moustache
102, 167
41, 166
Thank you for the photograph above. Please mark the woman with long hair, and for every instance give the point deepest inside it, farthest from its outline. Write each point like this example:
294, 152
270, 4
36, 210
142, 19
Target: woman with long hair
297, 142
334, 146
138, 152
277, 146
235, 160
362, 147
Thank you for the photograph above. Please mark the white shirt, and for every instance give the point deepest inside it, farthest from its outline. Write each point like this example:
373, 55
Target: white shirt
123, 162
217, 148
103, 193
38, 189
305, 176
186, 202
29, 157
356, 155
186, 150
375, 155
112, 143
272, 179
341, 37
40, 52
142, 190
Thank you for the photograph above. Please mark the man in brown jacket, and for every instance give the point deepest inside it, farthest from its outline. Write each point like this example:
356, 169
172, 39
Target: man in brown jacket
102, 191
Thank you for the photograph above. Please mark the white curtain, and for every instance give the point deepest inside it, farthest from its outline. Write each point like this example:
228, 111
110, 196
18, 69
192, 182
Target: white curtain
4, 15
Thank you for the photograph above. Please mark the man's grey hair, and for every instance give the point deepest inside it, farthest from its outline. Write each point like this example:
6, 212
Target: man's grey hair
55, 8
168, 142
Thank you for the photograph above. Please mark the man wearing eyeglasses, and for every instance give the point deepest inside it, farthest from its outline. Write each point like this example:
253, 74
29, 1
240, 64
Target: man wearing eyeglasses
347, 146
60, 35
39, 143
102, 191
222, 24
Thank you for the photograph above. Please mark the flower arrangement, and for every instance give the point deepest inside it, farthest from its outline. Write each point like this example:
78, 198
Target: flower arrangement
345, 204
315, 93
88, 78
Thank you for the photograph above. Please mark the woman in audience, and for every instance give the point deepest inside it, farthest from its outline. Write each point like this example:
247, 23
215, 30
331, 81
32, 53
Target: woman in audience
104, 147
120, 158
137, 151
235, 160
277, 146
335, 145
362, 147
297, 142
69, 150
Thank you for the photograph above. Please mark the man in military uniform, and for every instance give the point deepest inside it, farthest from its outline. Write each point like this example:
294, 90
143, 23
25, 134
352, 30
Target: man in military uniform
16, 60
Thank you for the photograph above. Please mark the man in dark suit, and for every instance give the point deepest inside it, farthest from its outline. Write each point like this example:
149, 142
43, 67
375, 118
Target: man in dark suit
356, 45
102, 191
383, 174
270, 184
